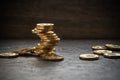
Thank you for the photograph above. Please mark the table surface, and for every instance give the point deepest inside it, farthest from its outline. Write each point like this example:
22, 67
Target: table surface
33, 68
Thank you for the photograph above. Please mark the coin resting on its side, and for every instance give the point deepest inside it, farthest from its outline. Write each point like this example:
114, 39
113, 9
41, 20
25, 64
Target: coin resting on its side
8, 55
89, 57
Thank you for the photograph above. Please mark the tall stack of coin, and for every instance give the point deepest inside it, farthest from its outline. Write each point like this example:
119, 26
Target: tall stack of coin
46, 48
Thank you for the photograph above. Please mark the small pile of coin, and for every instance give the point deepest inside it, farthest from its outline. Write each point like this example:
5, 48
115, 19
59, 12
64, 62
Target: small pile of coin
106, 51
46, 48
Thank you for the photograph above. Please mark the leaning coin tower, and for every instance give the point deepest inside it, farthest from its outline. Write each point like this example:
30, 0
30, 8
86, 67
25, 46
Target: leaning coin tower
49, 40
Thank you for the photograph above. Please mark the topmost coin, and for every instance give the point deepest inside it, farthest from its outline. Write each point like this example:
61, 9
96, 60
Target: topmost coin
45, 24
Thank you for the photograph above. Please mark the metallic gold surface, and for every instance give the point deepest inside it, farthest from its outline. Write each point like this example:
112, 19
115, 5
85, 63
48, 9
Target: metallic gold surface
24, 51
46, 48
99, 47
112, 55
113, 46
89, 57
101, 52
48, 42
8, 55
51, 57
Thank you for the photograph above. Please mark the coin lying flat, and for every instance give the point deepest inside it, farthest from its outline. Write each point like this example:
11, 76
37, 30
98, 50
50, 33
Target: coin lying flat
101, 52
8, 55
89, 57
112, 46
99, 47
52, 57
112, 55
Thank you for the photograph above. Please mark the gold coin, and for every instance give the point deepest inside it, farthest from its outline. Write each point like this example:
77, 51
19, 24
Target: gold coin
40, 51
53, 40
52, 57
49, 43
23, 51
41, 35
112, 46
101, 52
33, 31
40, 27
89, 57
36, 31
112, 55
99, 47
46, 26
49, 33
45, 47
44, 38
8, 55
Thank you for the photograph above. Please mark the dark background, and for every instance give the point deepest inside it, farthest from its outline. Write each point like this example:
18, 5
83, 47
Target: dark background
73, 19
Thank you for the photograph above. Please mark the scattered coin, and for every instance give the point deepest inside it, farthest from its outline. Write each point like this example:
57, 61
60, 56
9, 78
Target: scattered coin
101, 52
89, 57
112, 55
23, 51
99, 47
112, 46
8, 55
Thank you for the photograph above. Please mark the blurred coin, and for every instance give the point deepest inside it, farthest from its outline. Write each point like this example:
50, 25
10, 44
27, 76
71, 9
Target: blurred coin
45, 47
36, 31
112, 55
112, 46
23, 51
51, 41
45, 24
51, 57
101, 52
49, 33
89, 57
99, 47
8, 55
